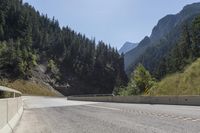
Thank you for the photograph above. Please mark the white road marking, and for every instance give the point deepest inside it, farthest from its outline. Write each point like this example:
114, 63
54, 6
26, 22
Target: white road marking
182, 117
141, 112
103, 107
196, 120
176, 118
166, 115
187, 119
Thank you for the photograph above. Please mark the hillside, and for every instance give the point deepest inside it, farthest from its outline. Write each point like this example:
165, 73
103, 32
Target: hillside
127, 47
151, 50
183, 80
185, 83
28, 87
34, 47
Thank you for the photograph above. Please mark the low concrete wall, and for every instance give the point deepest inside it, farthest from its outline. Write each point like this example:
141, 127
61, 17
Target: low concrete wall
3, 113
172, 100
11, 110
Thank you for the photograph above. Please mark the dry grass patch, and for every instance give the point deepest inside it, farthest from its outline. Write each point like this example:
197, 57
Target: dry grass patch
28, 87
186, 83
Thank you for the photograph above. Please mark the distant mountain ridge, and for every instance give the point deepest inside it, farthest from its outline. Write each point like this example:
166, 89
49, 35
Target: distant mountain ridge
127, 47
167, 31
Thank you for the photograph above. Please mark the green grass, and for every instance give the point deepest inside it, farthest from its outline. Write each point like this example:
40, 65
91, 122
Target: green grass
186, 83
28, 87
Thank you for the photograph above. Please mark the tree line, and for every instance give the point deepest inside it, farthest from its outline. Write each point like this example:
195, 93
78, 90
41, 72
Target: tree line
184, 52
28, 38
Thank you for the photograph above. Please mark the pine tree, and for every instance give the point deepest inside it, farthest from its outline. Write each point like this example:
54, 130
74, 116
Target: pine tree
142, 78
28, 39
196, 37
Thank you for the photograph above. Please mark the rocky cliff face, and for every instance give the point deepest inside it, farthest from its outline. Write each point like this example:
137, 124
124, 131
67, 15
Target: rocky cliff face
166, 32
127, 47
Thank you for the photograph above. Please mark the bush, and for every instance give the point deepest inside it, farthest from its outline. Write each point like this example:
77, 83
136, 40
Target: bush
140, 82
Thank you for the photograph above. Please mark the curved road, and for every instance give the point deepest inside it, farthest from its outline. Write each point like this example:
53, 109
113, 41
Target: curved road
59, 115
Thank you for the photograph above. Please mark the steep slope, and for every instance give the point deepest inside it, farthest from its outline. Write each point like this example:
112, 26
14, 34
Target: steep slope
164, 35
127, 47
29, 87
186, 83
135, 53
33, 46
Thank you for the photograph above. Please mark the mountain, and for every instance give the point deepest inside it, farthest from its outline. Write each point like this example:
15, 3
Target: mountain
178, 69
127, 47
163, 38
34, 47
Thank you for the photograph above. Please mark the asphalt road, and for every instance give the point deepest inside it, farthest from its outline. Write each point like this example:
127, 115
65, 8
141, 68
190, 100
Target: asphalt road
58, 115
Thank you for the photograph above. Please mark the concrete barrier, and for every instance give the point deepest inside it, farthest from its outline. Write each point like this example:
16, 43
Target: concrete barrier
11, 110
171, 100
3, 113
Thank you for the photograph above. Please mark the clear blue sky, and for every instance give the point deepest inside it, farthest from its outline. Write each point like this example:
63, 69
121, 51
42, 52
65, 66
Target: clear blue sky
113, 21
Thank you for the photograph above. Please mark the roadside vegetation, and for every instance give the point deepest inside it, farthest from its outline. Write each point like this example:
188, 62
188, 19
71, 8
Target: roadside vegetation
140, 81
185, 83
7, 94
184, 52
180, 83
27, 87
2, 94
177, 74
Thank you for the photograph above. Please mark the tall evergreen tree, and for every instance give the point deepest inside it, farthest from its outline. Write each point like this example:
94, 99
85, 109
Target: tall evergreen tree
29, 39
